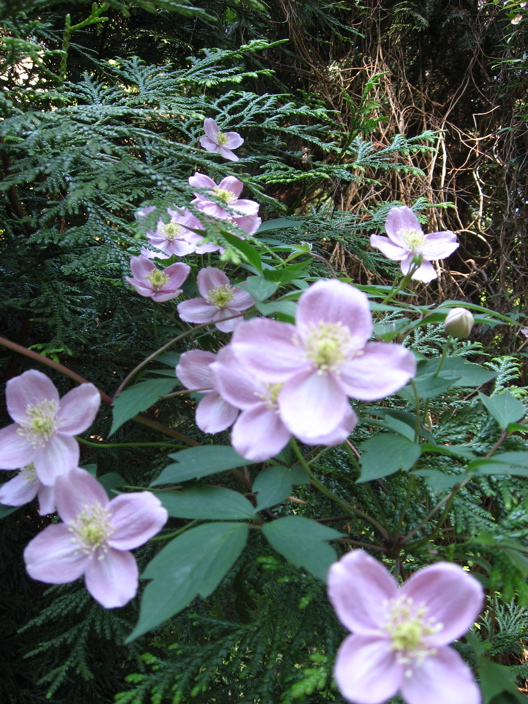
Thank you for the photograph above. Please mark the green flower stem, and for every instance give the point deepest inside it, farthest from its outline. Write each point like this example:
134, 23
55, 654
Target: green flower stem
410, 489
155, 323
417, 423
443, 357
177, 532
128, 444
404, 282
350, 450
349, 510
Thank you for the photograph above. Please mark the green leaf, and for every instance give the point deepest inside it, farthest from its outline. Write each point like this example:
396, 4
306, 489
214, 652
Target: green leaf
138, 398
460, 371
7, 510
274, 484
288, 308
300, 541
279, 224
287, 274
427, 387
190, 565
199, 462
439, 481
400, 427
453, 450
247, 250
507, 463
207, 502
504, 407
385, 454
259, 287
111, 481
496, 679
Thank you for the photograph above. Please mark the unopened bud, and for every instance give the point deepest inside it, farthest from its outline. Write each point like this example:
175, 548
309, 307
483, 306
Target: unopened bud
459, 322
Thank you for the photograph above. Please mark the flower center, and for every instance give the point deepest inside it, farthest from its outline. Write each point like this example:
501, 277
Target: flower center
413, 239
221, 139
40, 423
327, 345
227, 196
408, 627
270, 395
157, 279
221, 296
28, 473
91, 529
171, 231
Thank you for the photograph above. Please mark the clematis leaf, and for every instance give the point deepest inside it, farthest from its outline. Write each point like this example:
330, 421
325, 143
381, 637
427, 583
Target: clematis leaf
504, 407
138, 398
200, 462
206, 502
259, 287
385, 454
274, 484
300, 541
193, 564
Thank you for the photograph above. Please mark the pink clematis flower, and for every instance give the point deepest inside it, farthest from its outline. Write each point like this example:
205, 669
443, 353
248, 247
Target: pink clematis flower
324, 359
153, 283
24, 487
175, 237
227, 193
219, 300
259, 432
406, 240
95, 538
213, 413
220, 142
45, 424
400, 636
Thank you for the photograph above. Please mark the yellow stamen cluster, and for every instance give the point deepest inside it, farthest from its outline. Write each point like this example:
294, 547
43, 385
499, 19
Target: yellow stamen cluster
221, 296
221, 139
91, 530
408, 627
413, 239
227, 196
270, 395
29, 473
327, 345
171, 231
40, 423
157, 279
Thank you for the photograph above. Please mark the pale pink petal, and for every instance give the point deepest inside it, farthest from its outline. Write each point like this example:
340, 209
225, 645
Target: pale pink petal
210, 278
336, 302
210, 128
249, 225
196, 310
267, 348
213, 414
201, 181
359, 588
380, 371
441, 679
177, 274
259, 434
246, 207
312, 404
233, 381
452, 596
366, 670
396, 252
401, 218
78, 409
46, 499
59, 455
209, 144
141, 288
193, 369
426, 272
439, 245
53, 558
15, 450
28, 389
112, 580
18, 491
165, 295
231, 184
227, 325
211, 209
227, 153
136, 518
241, 299
337, 436
77, 491
140, 267
234, 140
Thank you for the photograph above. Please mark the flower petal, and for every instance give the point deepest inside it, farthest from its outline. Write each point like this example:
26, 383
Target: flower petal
366, 670
177, 274
28, 389
381, 370
266, 347
312, 404
241, 299
392, 251
444, 677
209, 144
46, 499
136, 518
213, 414
59, 455
112, 580
140, 267
193, 369
426, 272
234, 140
231, 184
196, 310
439, 245
227, 153
401, 218
452, 596
210, 128
358, 587
19, 491
201, 181
336, 302
77, 491
232, 380
210, 278
337, 436
78, 409
15, 450
51, 556
259, 434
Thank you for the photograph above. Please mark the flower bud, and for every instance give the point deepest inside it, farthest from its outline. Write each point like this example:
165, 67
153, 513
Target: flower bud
459, 322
